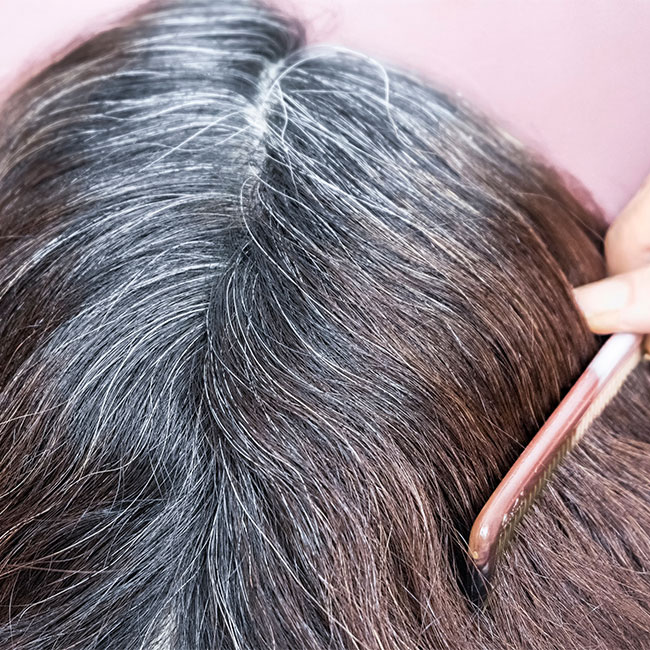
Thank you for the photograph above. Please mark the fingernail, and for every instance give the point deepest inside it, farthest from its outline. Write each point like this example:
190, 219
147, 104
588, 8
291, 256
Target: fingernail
602, 298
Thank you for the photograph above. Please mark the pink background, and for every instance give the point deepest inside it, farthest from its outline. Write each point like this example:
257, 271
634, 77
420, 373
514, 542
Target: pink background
570, 77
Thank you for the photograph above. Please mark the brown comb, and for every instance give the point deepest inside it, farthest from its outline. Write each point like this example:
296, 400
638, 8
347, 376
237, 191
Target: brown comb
595, 388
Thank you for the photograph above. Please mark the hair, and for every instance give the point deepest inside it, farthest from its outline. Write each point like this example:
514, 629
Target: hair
274, 322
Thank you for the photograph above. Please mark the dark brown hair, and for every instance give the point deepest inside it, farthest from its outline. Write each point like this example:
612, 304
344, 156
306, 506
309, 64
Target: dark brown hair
274, 321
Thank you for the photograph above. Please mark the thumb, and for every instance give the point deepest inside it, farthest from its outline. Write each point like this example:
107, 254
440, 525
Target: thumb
627, 243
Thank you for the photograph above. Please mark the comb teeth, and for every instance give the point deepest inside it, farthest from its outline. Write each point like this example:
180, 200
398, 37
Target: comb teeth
606, 395
498, 520
515, 517
595, 409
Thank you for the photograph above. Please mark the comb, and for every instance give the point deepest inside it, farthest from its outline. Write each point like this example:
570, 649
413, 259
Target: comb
496, 523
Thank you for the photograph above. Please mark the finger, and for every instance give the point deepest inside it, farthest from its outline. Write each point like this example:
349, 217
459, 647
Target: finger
627, 243
617, 304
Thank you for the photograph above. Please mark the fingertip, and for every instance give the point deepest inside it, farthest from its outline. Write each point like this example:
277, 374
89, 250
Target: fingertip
603, 297
606, 322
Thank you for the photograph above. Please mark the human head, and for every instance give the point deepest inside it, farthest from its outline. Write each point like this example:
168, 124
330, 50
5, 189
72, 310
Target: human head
273, 323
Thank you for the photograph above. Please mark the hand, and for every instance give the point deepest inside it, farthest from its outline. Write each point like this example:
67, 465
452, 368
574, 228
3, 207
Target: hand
621, 302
